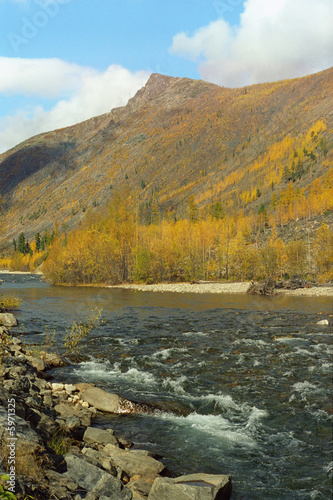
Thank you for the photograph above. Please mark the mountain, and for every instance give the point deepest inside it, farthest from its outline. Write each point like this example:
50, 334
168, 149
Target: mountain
176, 140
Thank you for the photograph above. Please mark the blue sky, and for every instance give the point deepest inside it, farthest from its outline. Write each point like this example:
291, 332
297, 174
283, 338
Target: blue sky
63, 61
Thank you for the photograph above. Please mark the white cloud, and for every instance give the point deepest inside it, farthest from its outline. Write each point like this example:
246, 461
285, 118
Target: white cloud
81, 93
275, 40
40, 77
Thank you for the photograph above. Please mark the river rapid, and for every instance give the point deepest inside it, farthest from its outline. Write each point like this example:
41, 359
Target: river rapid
244, 383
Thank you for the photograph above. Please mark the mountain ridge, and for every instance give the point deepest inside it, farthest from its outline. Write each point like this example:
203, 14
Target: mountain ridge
176, 138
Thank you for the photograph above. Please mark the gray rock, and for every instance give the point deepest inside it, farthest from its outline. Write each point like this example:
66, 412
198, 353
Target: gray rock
95, 435
140, 487
73, 423
94, 479
27, 438
17, 386
106, 487
52, 359
67, 411
8, 319
101, 400
134, 463
36, 363
70, 388
62, 480
192, 487
42, 423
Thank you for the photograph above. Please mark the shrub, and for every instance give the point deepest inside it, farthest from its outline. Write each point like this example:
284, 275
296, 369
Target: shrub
78, 331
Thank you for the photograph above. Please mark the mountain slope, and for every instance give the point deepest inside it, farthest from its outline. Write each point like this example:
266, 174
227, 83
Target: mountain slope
176, 138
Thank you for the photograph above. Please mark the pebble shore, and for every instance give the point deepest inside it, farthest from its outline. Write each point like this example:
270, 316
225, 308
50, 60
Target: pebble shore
238, 287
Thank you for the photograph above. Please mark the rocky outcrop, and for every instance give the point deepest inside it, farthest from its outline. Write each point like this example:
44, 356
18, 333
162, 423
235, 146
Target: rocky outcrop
59, 454
193, 486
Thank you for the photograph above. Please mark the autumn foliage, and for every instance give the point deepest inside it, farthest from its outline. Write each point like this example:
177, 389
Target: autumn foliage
116, 248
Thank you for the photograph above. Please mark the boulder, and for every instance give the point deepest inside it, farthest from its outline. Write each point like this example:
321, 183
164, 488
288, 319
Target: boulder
101, 400
134, 463
52, 359
95, 435
36, 363
8, 319
112, 403
106, 487
66, 411
190, 487
95, 480
61, 480
323, 322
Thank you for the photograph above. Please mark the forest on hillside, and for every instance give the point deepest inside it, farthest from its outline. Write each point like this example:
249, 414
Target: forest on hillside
116, 247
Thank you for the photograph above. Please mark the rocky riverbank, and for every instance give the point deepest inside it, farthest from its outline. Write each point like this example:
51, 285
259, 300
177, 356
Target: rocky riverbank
51, 449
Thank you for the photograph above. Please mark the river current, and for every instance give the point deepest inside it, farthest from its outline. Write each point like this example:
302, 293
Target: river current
244, 383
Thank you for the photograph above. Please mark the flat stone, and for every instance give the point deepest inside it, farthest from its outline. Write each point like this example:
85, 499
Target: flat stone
190, 487
323, 322
95, 435
134, 463
101, 400
8, 319
57, 387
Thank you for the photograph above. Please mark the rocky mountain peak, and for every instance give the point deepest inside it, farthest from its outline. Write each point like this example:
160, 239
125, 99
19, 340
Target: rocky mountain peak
155, 86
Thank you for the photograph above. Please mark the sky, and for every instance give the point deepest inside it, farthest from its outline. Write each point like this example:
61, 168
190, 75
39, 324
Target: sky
64, 61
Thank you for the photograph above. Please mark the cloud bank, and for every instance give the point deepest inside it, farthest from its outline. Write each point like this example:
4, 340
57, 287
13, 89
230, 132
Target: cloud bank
78, 94
275, 40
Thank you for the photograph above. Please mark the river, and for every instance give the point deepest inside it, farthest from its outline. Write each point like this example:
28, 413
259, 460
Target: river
245, 382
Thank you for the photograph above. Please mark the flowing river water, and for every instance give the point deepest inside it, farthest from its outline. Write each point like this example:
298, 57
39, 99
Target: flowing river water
244, 382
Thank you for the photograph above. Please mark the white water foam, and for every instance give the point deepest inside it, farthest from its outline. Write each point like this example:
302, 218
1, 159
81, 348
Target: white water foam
221, 401
125, 341
329, 469
167, 353
323, 368
305, 389
256, 342
213, 425
175, 385
251, 415
200, 334
97, 370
